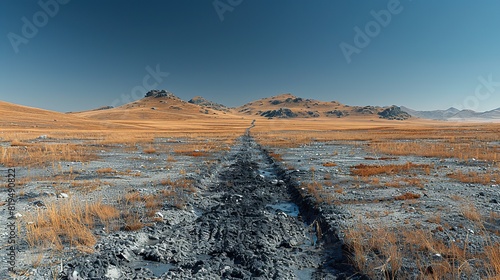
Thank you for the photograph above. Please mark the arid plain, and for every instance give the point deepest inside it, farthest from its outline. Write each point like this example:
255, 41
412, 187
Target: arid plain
279, 188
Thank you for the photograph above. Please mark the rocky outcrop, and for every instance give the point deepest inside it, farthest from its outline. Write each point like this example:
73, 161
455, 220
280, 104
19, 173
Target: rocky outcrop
159, 93
394, 113
337, 113
280, 113
366, 110
200, 101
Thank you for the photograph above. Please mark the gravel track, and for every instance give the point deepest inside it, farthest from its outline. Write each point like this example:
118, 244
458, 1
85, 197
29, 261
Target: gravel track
248, 222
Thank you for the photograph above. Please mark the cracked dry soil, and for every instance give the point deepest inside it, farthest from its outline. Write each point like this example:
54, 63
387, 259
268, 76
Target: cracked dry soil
247, 225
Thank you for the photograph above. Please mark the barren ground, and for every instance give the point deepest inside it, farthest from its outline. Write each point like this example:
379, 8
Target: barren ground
307, 211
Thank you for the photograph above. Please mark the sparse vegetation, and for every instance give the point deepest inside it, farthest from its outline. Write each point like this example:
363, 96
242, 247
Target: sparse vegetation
407, 195
68, 222
370, 170
41, 154
149, 150
379, 252
484, 178
105, 170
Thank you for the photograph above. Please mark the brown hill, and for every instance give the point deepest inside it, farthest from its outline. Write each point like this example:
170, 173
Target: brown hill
290, 106
156, 105
18, 116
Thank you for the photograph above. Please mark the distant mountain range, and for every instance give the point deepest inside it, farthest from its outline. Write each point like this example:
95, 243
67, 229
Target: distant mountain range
453, 114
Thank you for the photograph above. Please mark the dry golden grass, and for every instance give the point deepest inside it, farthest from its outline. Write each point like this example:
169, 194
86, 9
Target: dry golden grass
105, 170
67, 222
364, 241
329, 164
131, 197
473, 177
379, 251
405, 182
275, 156
470, 212
407, 195
149, 150
466, 150
370, 170
320, 194
42, 154
421, 137
194, 153
87, 186
380, 158
132, 221
493, 255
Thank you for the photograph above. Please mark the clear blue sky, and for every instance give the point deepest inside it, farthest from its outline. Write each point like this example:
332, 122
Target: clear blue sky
90, 53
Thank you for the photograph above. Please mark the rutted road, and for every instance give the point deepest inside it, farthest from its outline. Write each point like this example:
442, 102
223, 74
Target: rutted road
246, 226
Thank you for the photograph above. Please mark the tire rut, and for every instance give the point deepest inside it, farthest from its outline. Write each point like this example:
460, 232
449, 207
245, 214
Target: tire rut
248, 227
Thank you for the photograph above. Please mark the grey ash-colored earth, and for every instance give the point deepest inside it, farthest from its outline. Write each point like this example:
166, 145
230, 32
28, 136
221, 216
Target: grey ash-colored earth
251, 218
246, 221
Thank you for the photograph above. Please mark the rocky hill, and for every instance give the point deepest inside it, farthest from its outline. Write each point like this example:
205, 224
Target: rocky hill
290, 106
159, 105
207, 104
394, 113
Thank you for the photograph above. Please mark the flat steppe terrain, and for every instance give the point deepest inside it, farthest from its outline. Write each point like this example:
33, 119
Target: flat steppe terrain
226, 196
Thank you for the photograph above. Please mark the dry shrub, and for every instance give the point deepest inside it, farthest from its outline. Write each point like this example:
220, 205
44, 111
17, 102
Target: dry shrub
380, 158
17, 143
378, 252
370, 170
67, 222
493, 254
132, 197
338, 189
149, 150
320, 194
374, 251
407, 195
170, 158
132, 221
105, 170
152, 201
275, 156
329, 164
470, 212
475, 177
415, 182
87, 186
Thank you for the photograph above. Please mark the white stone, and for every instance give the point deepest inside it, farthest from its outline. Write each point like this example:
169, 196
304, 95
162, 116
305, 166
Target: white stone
159, 215
62, 195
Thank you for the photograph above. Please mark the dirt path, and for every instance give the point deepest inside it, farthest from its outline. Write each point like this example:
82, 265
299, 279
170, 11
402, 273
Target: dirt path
245, 224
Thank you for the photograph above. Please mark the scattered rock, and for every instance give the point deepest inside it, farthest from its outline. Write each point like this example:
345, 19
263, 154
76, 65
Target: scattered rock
62, 195
280, 113
337, 113
39, 203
